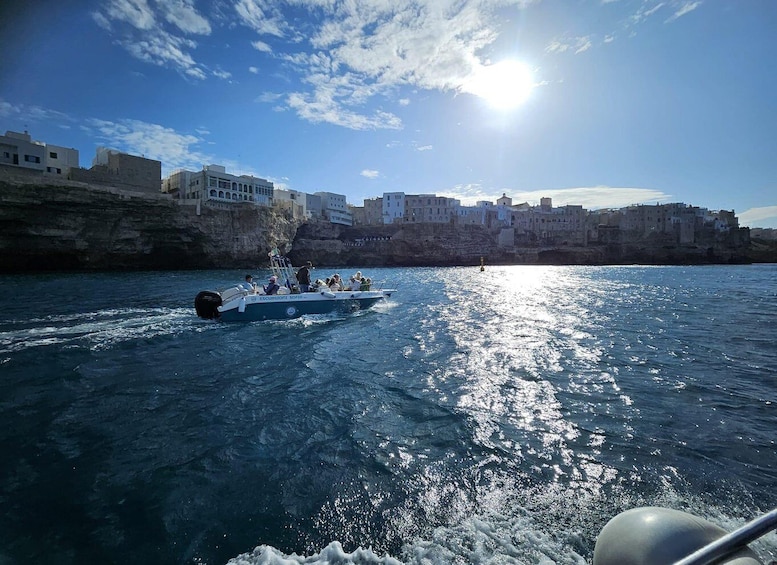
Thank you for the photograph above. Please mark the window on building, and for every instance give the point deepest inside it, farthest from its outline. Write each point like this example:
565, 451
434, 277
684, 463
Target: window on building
52, 155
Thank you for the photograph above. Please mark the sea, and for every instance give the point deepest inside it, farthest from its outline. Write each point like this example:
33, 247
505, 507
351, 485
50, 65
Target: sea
501, 416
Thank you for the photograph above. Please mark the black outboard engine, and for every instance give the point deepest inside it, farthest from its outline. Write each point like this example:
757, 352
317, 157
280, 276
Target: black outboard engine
206, 303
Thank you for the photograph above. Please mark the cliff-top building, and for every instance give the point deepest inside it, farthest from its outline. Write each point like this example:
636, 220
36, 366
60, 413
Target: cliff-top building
335, 209
19, 150
214, 184
121, 170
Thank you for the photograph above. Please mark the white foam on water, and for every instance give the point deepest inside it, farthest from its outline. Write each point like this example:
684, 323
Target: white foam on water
94, 330
558, 527
333, 553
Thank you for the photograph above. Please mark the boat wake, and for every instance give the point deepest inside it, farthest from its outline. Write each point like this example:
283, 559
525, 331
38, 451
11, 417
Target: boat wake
95, 330
542, 534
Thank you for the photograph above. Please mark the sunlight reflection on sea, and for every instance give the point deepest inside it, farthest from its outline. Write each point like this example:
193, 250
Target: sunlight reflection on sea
498, 416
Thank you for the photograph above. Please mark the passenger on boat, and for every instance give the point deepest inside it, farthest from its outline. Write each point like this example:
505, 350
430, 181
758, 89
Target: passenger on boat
356, 281
366, 284
335, 283
249, 284
273, 287
303, 277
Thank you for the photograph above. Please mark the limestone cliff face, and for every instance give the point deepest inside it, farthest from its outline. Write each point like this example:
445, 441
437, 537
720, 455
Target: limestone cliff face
396, 245
448, 245
80, 228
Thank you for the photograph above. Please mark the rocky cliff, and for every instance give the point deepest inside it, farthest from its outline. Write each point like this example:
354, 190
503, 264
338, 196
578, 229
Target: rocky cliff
449, 245
68, 227
59, 227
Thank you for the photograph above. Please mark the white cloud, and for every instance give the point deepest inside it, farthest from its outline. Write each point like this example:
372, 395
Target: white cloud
370, 173
268, 97
323, 107
154, 37
137, 13
362, 50
253, 70
183, 15
404, 101
557, 46
765, 217
260, 16
645, 11
261, 46
173, 149
583, 44
576, 44
684, 9
31, 113
424, 148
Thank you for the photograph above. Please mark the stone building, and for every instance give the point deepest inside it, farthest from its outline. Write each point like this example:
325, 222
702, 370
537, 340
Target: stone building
121, 170
430, 208
292, 201
373, 211
176, 184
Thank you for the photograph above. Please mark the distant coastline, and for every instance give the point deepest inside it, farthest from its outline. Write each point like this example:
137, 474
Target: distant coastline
58, 227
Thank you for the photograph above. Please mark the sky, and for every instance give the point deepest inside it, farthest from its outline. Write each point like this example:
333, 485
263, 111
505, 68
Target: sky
599, 103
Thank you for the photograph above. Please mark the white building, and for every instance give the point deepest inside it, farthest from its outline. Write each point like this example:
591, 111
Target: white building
19, 150
393, 207
334, 208
213, 183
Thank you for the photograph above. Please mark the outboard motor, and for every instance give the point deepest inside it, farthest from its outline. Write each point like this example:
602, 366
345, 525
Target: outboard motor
206, 304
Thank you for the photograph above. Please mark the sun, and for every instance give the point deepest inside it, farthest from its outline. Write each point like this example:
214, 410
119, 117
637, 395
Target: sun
503, 85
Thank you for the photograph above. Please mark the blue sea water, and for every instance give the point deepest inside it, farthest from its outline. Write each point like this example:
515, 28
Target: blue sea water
494, 417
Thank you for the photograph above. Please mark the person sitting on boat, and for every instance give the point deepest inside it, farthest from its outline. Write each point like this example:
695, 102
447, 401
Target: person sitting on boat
249, 284
335, 284
273, 287
363, 284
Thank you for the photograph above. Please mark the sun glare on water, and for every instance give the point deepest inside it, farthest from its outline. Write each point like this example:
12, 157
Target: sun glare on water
504, 85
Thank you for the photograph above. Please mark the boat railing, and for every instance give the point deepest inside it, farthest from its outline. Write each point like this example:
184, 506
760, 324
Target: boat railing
283, 271
733, 541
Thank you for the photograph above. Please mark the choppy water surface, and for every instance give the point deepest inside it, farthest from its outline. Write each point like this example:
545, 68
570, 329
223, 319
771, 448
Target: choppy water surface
502, 416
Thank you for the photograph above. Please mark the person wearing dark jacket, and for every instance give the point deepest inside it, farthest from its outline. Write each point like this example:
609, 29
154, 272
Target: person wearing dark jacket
303, 277
273, 287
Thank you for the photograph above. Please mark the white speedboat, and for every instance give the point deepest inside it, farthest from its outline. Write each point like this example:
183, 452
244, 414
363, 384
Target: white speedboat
236, 303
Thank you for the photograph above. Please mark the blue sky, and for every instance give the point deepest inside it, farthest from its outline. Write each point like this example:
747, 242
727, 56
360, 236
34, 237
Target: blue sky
603, 103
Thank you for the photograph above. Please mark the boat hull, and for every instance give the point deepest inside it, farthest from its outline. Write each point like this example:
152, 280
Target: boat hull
253, 308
